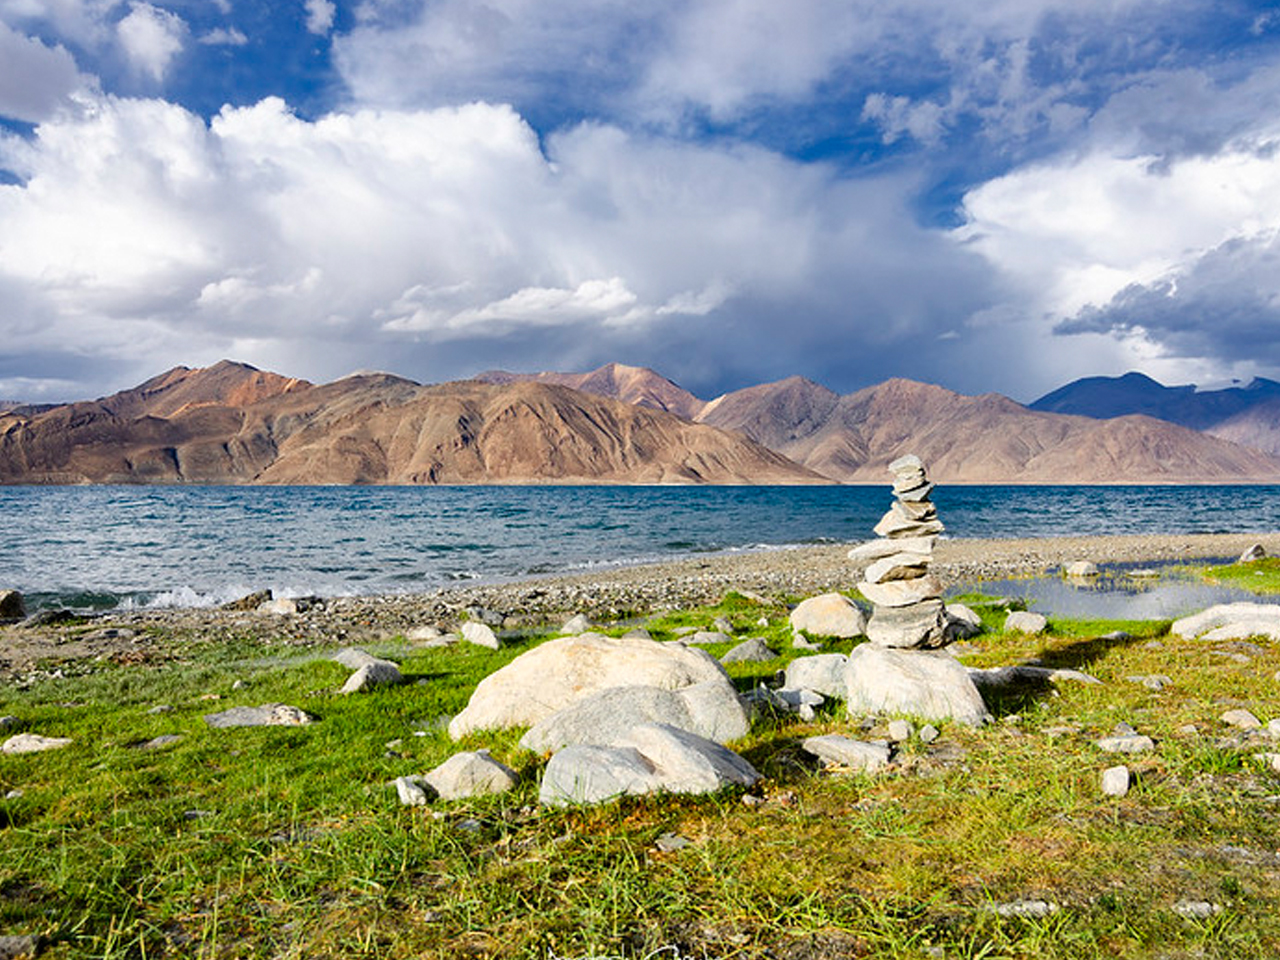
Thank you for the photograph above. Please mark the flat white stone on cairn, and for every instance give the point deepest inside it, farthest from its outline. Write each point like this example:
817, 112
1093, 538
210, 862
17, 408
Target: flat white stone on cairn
897, 671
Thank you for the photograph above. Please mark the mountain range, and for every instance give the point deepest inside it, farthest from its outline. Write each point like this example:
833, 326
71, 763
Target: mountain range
232, 423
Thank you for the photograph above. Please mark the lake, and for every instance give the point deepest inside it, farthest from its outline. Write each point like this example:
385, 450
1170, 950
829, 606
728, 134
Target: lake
101, 546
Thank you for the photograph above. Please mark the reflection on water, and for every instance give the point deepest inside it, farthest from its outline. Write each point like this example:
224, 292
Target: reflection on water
1117, 594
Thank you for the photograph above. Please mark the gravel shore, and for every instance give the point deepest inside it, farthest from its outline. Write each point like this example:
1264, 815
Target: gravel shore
606, 594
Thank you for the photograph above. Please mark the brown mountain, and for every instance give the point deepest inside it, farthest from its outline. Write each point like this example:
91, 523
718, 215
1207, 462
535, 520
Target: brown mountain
987, 438
1257, 426
617, 381
233, 424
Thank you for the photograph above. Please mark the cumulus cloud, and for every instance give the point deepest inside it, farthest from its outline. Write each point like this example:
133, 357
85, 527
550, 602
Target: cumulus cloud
320, 16
224, 37
151, 38
35, 79
437, 242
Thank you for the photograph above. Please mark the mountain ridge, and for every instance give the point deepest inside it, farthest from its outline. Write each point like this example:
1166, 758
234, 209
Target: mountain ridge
232, 423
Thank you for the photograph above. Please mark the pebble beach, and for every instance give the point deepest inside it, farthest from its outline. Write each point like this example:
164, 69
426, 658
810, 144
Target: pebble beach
609, 593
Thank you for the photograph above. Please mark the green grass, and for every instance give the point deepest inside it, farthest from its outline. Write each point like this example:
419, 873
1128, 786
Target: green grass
1260, 576
290, 843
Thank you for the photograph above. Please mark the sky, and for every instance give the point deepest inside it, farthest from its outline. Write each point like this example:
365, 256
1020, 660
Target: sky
1001, 195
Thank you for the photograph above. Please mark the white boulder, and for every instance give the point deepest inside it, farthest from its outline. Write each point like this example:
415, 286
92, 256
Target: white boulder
829, 615
560, 672
920, 683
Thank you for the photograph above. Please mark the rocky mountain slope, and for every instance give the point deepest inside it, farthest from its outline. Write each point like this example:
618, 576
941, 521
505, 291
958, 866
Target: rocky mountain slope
1248, 415
233, 424
636, 385
989, 438
230, 423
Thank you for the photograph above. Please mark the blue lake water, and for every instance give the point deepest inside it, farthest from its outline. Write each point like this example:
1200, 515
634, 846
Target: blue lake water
99, 546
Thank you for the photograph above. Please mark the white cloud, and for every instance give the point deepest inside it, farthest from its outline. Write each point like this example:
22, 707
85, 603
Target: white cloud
320, 15
35, 79
437, 242
151, 38
224, 37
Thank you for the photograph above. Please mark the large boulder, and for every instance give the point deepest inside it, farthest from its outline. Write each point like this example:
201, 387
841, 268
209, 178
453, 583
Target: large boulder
560, 672
1230, 621
481, 634
649, 759
823, 673
922, 624
934, 686
829, 615
710, 709
379, 673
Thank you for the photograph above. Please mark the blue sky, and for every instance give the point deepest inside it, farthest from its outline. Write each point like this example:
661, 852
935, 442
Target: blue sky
992, 196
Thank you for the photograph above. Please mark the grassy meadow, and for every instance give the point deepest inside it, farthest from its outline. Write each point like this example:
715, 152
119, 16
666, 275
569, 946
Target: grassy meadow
987, 843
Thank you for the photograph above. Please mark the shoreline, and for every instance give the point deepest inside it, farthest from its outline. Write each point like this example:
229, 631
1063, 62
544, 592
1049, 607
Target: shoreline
771, 573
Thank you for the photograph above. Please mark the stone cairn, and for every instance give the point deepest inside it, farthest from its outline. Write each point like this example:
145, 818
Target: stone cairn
907, 598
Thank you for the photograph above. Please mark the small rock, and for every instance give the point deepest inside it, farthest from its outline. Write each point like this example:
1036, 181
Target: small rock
1273, 728
1255, 552
1024, 621
378, 673
471, 774
1115, 781
1080, 568
239, 685
929, 733
754, 650
413, 791
249, 602
9, 723
900, 731
1130, 743
267, 715
1196, 909
836, 750
15, 947
1271, 760
637, 633
829, 615
1188, 730
800, 643
822, 674
1156, 681
423, 634
962, 622
722, 625
33, 743
800, 702
164, 740
14, 795
707, 638
1242, 719
671, 842
481, 634
160, 708
576, 625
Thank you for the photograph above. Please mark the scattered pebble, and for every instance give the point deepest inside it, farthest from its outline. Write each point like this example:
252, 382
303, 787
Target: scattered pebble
1196, 909
929, 733
1241, 719
1115, 781
33, 743
1027, 909
671, 842
900, 731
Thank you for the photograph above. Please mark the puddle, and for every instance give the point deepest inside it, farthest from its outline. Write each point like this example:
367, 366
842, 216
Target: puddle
1116, 594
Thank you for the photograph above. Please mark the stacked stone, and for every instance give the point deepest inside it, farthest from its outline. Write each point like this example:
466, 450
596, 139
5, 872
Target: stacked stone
907, 598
